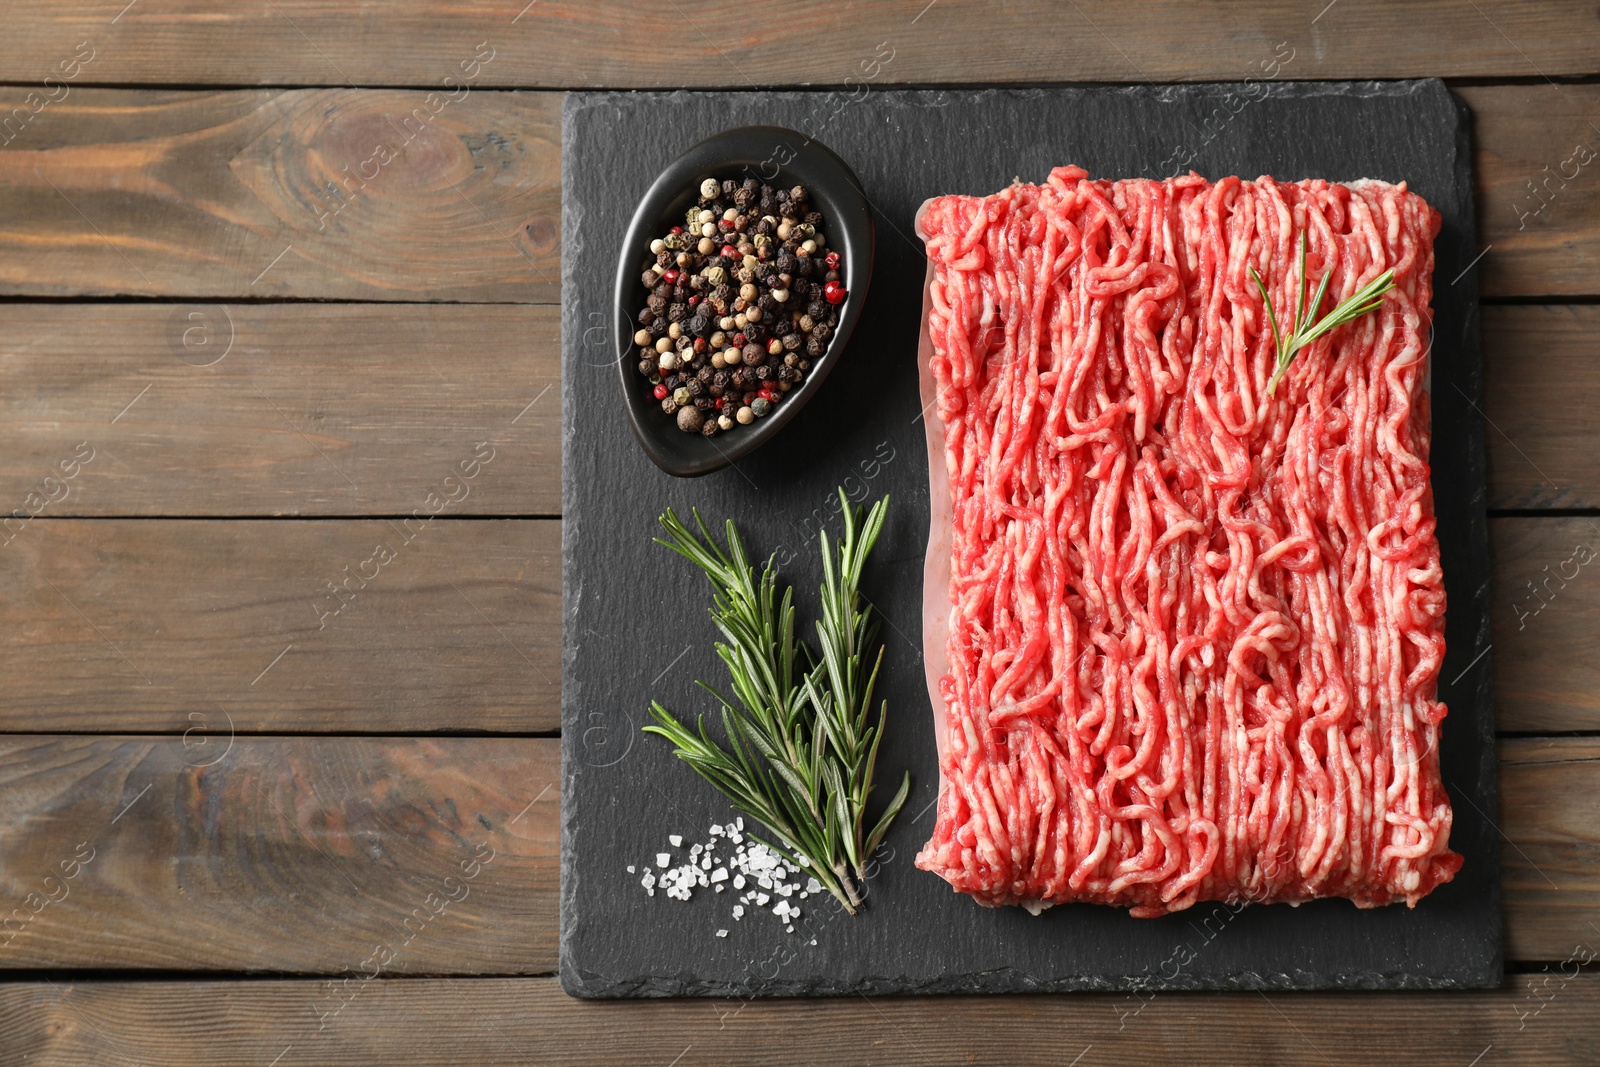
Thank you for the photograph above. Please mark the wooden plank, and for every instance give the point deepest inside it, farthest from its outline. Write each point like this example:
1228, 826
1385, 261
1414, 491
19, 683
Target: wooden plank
259, 193
278, 409
1546, 612
1545, 1019
208, 851
150, 620
1541, 384
337, 409
280, 854
327, 194
562, 43
130, 624
1538, 146
1551, 854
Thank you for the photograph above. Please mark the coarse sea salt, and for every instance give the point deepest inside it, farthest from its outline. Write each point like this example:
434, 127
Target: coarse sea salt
763, 872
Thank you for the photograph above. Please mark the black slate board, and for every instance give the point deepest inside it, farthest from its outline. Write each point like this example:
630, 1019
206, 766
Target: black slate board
635, 622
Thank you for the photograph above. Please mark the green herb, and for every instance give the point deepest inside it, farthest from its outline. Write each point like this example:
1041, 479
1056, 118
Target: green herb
801, 741
1368, 298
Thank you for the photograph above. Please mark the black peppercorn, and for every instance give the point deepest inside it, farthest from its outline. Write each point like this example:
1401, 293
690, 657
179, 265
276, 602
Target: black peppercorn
647, 367
817, 309
791, 343
763, 372
679, 293
646, 316
822, 331
704, 403
813, 218
673, 381
797, 193
742, 197
720, 379
786, 263
658, 326
729, 186
805, 364
658, 304
704, 372
697, 325
764, 227
648, 279
815, 347
696, 387
677, 312
766, 303
709, 429
786, 374
669, 405
755, 332
737, 378
721, 292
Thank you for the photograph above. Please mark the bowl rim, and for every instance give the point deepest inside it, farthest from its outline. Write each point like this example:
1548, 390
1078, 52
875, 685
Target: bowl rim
850, 230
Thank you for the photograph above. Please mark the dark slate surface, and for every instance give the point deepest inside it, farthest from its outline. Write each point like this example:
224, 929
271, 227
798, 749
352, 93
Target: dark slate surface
635, 623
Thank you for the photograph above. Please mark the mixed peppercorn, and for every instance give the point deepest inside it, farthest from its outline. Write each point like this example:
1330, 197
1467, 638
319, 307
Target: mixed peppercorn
743, 297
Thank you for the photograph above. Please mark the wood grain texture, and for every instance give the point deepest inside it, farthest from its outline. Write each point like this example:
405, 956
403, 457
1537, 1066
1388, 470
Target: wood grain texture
135, 624
326, 194
1546, 612
149, 620
279, 854
712, 42
1541, 389
375, 195
1543, 1019
336, 409
1538, 172
279, 409
1550, 871
213, 852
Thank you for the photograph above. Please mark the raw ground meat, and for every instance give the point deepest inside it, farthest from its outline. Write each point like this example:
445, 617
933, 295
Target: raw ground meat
1192, 637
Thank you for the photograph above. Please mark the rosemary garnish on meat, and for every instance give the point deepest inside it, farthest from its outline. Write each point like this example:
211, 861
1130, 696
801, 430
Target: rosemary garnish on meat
1368, 298
801, 741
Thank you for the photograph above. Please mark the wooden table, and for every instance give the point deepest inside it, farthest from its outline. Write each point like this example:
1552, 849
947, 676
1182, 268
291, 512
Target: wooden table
252, 322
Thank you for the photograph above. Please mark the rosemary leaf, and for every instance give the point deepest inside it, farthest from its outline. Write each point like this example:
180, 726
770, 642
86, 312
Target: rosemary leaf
800, 752
1303, 330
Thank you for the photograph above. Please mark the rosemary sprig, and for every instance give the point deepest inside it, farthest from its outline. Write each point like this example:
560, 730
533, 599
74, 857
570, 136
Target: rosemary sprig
801, 751
1304, 331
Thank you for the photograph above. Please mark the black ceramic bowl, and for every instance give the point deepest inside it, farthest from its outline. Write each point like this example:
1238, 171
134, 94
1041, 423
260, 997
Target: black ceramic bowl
778, 157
